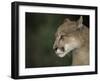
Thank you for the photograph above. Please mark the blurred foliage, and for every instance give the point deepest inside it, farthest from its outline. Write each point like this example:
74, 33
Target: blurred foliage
40, 31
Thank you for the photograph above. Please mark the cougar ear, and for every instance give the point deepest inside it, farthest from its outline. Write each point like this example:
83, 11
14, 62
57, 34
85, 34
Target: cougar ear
66, 20
80, 22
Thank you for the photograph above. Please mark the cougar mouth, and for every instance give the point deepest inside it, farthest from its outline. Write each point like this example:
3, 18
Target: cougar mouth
63, 54
66, 50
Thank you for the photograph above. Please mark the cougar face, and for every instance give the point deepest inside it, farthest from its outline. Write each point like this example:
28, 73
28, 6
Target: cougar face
67, 37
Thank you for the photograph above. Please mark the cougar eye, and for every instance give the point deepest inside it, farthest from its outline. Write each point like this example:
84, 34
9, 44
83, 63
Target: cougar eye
62, 36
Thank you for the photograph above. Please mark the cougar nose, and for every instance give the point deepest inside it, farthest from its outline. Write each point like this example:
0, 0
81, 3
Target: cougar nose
61, 48
55, 49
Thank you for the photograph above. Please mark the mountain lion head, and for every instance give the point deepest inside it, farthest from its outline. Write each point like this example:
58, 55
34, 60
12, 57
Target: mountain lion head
68, 37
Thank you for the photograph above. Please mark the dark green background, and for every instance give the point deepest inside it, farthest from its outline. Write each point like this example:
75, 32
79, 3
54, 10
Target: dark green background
40, 30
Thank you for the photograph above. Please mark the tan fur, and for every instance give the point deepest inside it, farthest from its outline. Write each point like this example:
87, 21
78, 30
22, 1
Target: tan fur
73, 36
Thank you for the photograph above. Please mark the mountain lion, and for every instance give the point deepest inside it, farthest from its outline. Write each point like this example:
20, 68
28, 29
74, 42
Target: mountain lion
73, 36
